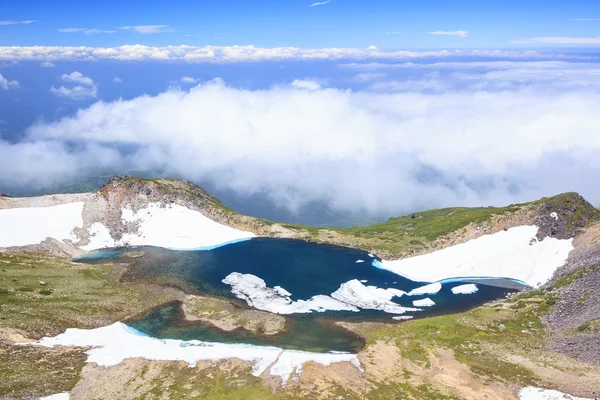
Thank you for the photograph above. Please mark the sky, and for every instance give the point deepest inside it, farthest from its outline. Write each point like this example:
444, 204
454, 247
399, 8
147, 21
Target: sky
302, 111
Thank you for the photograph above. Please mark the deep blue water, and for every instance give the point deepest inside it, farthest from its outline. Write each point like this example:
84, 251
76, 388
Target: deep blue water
303, 268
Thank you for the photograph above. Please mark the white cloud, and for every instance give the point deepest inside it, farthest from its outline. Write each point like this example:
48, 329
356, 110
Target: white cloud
306, 84
322, 3
77, 77
5, 84
189, 80
86, 31
369, 76
145, 29
26, 22
224, 54
461, 34
47, 64
84, 86
387, 152
560, 40
116, 79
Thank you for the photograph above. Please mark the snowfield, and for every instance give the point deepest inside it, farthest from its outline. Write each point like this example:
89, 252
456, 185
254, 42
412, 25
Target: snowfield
514, 254
114, 343
173, 227
32, 225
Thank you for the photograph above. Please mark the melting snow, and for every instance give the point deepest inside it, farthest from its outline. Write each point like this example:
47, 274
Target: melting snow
114, 343
532, 393
505, 254
24, 226
465, 289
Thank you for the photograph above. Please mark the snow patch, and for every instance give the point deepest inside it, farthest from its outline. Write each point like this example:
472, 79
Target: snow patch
432, 288
554, 215
532, 393
255, 292
114, 343
505, 254
465, 289
424, 303
174, 227
58, 396
33, 225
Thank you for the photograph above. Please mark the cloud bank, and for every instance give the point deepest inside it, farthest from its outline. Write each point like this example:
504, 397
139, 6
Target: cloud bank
384, 152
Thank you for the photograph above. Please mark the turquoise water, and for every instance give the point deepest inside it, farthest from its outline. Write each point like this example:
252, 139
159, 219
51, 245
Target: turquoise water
304, 269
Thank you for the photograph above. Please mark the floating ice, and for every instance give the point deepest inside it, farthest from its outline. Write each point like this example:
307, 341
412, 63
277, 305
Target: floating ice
424, 303
465, 289
432, 288
255, 292
370, 297
359, 261
403, 317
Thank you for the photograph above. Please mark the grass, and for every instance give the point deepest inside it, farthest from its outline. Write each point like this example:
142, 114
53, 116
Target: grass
74, 295
476, 337
31, 372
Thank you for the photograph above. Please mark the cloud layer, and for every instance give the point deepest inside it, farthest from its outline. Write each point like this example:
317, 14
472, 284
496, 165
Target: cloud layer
195, 54
384, 152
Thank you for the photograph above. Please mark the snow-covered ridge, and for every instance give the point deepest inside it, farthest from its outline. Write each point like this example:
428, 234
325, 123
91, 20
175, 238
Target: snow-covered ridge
114, 343
32, 225
514, 253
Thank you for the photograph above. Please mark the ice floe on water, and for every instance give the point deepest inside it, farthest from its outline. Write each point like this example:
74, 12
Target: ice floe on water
351, 296
532, 393
114, 343
370, 297
465, 289
255, 292
427, 302
360, 261
173, 226
25, 226
508, 254
432, 288
403, 317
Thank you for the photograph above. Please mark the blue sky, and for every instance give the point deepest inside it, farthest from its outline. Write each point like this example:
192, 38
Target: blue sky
265, 23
